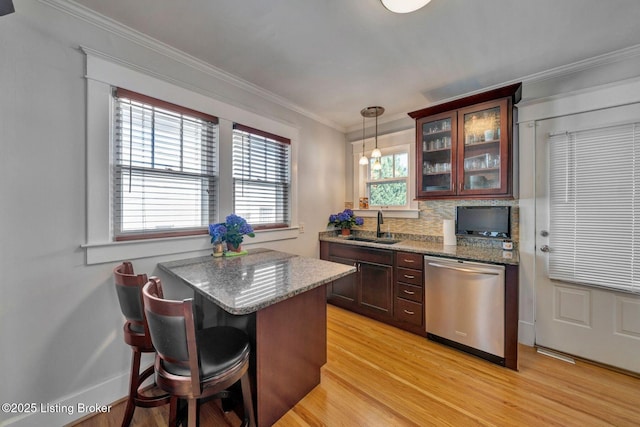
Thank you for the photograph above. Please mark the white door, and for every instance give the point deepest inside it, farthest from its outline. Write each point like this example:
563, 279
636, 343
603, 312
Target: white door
585, 321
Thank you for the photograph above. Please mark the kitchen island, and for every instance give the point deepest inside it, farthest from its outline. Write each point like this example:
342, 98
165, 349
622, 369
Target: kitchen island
279, 299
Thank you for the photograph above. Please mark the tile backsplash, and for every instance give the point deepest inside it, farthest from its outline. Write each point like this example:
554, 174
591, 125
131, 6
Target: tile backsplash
433, 212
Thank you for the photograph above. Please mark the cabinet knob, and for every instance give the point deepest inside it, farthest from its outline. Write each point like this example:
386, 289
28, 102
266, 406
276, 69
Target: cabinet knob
408, 261
409, 277
409, 312
408, 292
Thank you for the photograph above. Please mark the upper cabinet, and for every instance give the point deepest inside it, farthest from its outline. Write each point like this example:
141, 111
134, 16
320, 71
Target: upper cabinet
464, 148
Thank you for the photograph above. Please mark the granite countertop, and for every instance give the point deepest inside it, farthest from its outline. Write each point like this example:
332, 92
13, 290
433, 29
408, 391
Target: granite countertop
245, 284
471, 253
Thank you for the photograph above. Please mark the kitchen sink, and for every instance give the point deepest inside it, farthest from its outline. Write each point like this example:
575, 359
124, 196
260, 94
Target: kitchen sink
373, 240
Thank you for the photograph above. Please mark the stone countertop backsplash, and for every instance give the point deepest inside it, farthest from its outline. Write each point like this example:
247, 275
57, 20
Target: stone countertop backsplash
472, 249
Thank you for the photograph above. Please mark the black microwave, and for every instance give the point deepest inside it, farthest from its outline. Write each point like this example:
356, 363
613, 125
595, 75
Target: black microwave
483, 221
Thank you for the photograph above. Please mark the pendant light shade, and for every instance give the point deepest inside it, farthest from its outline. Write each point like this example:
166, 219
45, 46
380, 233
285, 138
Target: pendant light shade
363, 160
373, 112
404, 6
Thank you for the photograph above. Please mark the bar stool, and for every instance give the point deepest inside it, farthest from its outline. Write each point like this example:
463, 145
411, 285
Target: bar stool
194, 364
136, 334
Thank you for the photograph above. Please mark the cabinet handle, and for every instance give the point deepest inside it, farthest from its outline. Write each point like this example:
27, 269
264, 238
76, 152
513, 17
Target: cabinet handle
409, 277
408, 292
409, 312
408, 261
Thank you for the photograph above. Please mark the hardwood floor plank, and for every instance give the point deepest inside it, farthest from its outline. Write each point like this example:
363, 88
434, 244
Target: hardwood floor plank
377, 375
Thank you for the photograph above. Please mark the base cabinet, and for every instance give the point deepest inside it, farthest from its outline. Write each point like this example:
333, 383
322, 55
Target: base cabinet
409, 291
388, 285
370, 290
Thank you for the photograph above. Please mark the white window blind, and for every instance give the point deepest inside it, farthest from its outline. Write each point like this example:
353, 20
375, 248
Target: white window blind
261, 183
165, 168
594, 197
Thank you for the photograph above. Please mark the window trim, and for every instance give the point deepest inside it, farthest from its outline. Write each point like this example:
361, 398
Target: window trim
403, 140
174, 109
102, 73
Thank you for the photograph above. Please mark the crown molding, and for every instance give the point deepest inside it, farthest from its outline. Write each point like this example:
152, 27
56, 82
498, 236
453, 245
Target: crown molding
85, 14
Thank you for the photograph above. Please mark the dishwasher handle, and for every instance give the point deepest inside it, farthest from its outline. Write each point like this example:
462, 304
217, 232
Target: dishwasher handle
466, 270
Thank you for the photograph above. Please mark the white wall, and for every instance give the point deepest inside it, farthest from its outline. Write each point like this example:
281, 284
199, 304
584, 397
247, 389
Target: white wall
60, 323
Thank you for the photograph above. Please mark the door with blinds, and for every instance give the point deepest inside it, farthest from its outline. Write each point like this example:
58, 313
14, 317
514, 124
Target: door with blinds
588, 236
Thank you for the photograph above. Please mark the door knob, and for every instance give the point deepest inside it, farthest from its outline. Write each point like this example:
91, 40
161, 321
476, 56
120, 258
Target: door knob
545, 248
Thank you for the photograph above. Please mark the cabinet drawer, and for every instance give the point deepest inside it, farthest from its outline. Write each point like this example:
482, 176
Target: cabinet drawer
412, 277
409, 260
409, 311
413, 293
378, 256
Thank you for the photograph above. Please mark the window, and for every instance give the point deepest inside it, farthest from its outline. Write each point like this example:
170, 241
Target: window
164, 168
594, 206
388, 186
261, 183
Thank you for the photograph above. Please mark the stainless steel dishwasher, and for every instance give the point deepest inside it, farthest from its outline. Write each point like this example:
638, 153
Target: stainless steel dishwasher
465, 306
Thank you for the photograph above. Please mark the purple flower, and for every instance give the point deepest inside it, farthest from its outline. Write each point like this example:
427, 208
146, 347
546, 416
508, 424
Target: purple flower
231, 230
345, 219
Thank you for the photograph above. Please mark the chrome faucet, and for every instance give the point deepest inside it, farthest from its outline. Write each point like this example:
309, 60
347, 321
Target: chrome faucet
380, 221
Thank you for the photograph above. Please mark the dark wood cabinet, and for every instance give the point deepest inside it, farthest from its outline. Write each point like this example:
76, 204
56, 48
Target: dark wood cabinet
344, 289
409, 291
370, 290
465, 148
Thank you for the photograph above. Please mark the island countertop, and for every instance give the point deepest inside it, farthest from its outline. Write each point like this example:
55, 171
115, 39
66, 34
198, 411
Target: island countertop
247, 283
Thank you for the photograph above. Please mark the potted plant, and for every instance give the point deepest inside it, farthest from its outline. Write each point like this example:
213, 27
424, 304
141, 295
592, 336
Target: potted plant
232, 231
345, 220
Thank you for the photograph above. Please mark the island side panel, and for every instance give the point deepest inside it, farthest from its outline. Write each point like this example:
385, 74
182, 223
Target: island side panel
291, 347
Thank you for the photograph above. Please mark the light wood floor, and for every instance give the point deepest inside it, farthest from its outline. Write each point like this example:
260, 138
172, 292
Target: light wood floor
377, 375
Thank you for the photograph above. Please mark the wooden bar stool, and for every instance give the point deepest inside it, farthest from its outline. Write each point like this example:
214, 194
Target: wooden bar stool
194, 364
136, 334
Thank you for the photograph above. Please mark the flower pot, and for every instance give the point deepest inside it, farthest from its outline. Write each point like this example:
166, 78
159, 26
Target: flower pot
234, 248
218, 249
346, 231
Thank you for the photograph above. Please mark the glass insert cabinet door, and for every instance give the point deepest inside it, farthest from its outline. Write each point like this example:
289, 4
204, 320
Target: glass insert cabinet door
437, 146
483, 148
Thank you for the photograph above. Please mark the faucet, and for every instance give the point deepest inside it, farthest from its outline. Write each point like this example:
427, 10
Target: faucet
380, 221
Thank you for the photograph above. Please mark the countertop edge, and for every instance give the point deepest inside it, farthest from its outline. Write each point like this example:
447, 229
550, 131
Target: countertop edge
263, 304
437, 249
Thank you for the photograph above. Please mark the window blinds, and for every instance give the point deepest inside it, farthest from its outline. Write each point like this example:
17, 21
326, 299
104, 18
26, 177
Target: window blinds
165, 168
261, 184
594, 199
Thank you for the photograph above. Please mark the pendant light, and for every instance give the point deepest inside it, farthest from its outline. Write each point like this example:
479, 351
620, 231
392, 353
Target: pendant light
374, 112
363, 160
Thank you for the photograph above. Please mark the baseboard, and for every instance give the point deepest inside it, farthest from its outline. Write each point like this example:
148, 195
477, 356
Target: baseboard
526, 333
97, 398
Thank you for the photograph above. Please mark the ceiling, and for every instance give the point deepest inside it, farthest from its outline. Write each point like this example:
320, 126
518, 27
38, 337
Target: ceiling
332, 58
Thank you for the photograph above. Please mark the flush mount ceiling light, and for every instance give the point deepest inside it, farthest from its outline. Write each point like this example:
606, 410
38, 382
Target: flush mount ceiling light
404, 6
373, 112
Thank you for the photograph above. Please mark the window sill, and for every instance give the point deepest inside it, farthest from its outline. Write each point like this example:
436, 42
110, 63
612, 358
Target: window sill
389, 213
99, 253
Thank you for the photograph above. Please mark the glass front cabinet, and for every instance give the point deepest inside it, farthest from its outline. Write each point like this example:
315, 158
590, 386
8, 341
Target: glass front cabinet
466, 152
